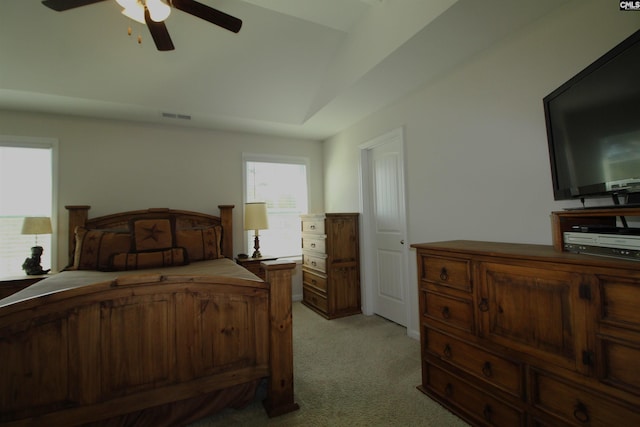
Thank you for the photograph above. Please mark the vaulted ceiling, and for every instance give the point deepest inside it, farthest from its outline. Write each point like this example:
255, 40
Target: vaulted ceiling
300, 68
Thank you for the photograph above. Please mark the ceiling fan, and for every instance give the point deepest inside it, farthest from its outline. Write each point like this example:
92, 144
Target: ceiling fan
154, 12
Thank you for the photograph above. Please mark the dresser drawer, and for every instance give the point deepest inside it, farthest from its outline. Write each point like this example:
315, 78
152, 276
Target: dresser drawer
448, 272
314, 243
474, 402
577, 406
502, 373
313, 224
311, 297
315, 261
314, 280
454, 312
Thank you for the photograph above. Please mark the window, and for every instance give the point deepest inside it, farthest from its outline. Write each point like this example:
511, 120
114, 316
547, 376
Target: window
282, 184
26, 189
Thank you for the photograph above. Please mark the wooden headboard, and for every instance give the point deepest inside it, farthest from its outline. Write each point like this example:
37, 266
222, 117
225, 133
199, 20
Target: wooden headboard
79, 216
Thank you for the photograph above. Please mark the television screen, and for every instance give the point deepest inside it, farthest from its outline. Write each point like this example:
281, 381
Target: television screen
593, 126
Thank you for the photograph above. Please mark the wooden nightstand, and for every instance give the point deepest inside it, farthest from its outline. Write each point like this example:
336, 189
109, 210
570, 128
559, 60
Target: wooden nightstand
13, 284
253, 265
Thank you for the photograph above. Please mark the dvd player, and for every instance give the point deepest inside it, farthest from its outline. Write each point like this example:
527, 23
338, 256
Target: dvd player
606, 229
603, 244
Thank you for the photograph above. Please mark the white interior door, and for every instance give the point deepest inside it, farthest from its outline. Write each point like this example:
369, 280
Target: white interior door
386, 227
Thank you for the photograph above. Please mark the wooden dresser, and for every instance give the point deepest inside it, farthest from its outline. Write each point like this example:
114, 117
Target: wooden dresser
522, 335
331, 264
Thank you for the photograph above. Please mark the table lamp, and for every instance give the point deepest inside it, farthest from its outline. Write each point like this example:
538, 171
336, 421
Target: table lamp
255, 218
35, 225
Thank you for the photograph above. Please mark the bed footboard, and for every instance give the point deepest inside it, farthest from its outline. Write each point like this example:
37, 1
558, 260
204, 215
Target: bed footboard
122, 347
280, 398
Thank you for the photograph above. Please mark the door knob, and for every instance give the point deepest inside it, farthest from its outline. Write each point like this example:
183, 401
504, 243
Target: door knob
402, 242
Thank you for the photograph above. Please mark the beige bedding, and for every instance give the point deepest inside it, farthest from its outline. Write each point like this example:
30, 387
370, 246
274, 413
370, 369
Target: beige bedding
74, 279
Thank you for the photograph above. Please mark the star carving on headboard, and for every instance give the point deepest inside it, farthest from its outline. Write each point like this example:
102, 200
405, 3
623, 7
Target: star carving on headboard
153, 232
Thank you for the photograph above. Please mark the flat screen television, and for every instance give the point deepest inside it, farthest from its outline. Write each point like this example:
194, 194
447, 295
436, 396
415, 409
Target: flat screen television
593, 127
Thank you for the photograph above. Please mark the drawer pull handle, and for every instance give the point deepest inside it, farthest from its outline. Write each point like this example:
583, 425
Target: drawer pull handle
580, 413
313, 281
313, 245
484, 305
446, 313
486, 369
448, 390
447, 351
444, 275
487, 412
312, 226
314, 263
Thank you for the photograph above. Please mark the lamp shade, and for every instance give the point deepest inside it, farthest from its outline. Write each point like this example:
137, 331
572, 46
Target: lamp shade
36, 225
255, 216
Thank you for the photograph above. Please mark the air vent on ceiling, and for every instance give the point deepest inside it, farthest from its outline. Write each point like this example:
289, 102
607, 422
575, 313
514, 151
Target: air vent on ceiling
176, 116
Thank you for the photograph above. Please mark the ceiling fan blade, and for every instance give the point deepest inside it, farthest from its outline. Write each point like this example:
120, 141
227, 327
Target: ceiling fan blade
158, 32
210, 14
62, 5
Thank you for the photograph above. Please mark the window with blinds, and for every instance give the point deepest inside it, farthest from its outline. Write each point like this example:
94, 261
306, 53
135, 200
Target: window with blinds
26, 189
282, 184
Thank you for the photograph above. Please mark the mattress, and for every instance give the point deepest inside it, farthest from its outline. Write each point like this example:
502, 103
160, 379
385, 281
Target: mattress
66, 280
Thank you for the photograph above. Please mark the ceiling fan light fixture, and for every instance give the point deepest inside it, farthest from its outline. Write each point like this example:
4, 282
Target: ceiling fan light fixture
126, 4
158, 10
136, 13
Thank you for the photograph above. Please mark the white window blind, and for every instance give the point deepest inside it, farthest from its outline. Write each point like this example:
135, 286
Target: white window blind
282, 184
26, 189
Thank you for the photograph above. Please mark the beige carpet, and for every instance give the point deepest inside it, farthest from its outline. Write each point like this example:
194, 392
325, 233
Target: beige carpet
355, 371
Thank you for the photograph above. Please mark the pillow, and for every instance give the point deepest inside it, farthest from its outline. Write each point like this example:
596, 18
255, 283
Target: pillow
94, 248
201, 243
152, 259
152, 234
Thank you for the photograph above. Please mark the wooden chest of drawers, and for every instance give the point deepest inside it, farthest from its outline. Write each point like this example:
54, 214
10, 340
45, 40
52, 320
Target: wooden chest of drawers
331, 264
522, 335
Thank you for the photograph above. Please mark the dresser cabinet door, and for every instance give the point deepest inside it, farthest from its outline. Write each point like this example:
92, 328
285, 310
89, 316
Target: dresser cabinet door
345, 288
537, 311
342, 239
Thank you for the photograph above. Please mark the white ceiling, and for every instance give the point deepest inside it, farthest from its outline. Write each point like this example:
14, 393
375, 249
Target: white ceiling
300, 68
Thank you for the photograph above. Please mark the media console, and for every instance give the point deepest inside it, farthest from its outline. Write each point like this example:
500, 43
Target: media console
596, 225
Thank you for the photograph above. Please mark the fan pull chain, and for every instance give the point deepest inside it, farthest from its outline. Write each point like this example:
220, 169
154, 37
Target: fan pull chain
130, 32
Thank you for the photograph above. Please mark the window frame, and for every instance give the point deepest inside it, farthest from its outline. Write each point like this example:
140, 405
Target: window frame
270, 158
42, 143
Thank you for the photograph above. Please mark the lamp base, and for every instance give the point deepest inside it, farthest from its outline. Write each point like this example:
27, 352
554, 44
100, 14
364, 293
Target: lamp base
256, 254
256, 246
32, 266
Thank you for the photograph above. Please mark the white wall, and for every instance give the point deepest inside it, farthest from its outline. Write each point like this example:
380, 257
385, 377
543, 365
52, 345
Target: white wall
116, 166
476, 151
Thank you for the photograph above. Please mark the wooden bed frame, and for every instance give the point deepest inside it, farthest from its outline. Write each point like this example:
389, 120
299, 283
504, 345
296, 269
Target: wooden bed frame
148, 350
